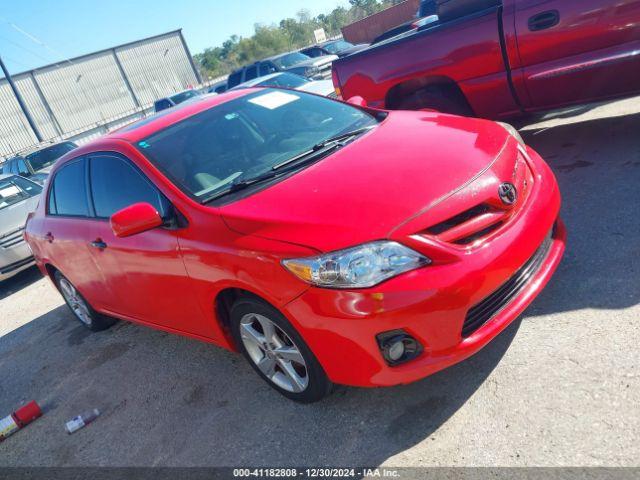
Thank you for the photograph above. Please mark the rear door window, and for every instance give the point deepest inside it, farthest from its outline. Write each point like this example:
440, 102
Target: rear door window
235, 79
116, 184
251, 73
68, 195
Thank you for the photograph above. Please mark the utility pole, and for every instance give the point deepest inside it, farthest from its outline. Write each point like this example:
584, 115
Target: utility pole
23, 106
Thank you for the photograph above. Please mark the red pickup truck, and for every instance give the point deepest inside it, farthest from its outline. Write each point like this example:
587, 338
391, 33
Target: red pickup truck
499, 59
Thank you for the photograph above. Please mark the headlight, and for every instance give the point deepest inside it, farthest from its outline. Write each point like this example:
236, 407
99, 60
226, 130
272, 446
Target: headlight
311, 71
357, 267
513, 132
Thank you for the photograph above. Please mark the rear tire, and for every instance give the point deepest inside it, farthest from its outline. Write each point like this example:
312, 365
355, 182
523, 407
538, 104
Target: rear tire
82, 311
441, 98
277, 352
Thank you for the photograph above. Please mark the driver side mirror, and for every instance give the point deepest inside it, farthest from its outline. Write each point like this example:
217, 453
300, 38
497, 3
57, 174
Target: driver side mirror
136, 218
357, 101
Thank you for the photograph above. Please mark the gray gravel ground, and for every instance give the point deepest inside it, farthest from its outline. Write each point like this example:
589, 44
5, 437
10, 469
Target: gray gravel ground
559, 387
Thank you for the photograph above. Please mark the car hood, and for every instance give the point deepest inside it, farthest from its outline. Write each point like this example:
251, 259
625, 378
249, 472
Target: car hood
14, 216
315, 62
319, 87
323, 60
354, 49
368, 188
46, 170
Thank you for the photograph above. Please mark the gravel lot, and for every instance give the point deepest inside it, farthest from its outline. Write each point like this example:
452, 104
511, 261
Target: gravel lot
560, 387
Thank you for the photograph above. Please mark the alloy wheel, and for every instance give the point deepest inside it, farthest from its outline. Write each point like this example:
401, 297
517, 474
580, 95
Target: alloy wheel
77, 304
274, 353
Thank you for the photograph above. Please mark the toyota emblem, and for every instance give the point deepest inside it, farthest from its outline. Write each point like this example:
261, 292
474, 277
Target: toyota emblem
507, 193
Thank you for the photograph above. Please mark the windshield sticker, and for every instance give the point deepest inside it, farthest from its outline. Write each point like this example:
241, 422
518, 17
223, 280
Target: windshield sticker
273, 100
143, 145
9, 191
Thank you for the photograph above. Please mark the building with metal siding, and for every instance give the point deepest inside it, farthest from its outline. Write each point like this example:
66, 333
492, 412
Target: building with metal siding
89, 95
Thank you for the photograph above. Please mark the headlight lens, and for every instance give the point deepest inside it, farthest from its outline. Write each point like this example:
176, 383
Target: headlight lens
311, 71
513, 132
357, 267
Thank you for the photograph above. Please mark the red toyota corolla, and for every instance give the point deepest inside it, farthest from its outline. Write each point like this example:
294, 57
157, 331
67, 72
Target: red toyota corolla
326, 242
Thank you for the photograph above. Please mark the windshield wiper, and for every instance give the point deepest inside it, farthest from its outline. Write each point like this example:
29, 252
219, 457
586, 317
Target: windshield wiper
322, 147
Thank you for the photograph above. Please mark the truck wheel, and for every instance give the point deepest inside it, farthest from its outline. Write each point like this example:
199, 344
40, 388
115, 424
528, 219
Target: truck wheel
277, 352
441, 98
80, 308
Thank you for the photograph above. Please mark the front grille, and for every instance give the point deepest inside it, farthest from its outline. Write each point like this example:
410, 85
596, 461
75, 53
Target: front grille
477, 235
484, 311
472, 224
459, 219
324, 71
12, 238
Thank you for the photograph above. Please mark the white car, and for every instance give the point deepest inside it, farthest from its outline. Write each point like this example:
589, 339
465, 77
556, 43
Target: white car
18, 198
293, 81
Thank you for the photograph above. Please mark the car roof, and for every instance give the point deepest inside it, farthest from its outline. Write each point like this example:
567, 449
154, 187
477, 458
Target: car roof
143, 128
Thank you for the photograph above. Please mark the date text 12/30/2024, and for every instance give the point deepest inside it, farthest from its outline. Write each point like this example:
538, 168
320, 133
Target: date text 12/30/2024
316, 473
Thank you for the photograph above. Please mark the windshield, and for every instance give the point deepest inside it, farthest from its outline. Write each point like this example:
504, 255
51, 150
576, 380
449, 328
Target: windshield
285, 80
335, 47
181, 97
15, 189
47, 156
246, 137
290, 59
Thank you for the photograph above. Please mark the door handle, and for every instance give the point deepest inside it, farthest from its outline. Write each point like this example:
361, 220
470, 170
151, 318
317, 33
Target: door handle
544, 20
49, 237
98, 243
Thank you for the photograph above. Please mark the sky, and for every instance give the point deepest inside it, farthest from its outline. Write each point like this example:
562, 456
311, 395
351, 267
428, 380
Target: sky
34, 33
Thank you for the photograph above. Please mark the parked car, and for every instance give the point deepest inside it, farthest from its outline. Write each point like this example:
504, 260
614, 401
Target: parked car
173, 100
218, 88
292, 62
499, 59
18, 197
328, 243
293, 81
426, 9
36, 164
340, 48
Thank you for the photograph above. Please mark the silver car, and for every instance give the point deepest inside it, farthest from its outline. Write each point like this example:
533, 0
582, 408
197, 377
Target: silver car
37, 163
293, 81
18, 198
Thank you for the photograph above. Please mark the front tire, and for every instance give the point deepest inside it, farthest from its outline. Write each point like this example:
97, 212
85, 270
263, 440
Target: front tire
80, 308
277, 352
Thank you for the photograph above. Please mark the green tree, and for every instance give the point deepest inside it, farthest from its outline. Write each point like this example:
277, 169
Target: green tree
289, 34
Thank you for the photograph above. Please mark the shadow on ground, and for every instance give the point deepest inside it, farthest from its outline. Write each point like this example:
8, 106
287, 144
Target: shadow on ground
597, 165
182, 402
19, 281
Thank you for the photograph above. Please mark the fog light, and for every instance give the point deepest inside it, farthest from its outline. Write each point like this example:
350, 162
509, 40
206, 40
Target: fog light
396, 350
397, 346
